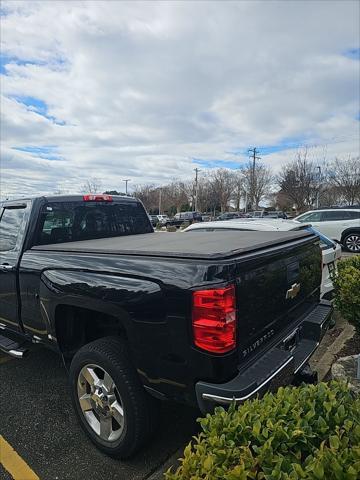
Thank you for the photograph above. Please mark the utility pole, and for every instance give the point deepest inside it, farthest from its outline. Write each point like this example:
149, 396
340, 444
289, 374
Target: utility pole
196, 170
126, 180
252, 154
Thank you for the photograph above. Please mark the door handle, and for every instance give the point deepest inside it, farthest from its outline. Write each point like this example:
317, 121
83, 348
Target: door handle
6, 267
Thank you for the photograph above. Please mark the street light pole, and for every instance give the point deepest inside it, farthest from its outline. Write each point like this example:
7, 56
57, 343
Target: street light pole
196, 170
246, 192
126, 180
160, 201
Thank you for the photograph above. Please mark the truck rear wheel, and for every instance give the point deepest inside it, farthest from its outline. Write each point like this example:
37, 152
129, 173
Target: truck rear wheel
111, 404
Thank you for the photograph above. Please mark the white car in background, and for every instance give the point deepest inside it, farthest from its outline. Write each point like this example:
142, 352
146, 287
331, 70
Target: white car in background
163, 219
331, 251
341, 224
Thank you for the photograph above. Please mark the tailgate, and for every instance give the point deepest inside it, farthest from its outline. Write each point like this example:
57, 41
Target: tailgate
273, 292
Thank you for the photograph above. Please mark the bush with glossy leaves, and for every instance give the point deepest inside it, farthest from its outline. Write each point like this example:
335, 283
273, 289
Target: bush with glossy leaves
308, 432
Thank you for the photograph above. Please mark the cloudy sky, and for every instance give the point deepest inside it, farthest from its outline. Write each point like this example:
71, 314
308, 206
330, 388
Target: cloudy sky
150, 90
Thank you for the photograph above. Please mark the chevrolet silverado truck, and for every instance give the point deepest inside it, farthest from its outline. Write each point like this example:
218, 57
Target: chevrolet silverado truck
139, 316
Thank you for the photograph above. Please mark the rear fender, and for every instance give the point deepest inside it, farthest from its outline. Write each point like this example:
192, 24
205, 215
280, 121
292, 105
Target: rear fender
128, 299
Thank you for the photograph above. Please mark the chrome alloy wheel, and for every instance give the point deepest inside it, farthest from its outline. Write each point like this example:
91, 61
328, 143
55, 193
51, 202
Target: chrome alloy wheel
352, 242
100, 402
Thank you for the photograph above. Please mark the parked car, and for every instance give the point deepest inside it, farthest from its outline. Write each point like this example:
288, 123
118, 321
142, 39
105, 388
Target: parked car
206, 217
268, 214
230, 216
180, 218
139, 317
163, 219
331, 251
340, 224
154, 220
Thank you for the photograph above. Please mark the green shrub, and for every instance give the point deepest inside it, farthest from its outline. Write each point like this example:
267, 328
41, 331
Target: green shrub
347, 290
308, 432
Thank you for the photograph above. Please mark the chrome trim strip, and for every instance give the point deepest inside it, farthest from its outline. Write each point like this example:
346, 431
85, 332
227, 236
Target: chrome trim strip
216, 398
15, 353
290, 336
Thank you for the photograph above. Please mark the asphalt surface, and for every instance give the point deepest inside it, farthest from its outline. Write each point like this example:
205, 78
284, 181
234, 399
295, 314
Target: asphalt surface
4, 474
38, 421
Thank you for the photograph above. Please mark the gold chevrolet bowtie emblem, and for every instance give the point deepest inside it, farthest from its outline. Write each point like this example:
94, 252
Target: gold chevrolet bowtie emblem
293, 291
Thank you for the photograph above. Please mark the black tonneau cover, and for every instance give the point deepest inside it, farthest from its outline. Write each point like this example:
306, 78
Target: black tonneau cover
204, 245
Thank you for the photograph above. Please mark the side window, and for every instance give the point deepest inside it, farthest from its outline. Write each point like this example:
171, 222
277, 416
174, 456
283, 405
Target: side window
333, 215
354, 215
55, 227
10, 226
311, 217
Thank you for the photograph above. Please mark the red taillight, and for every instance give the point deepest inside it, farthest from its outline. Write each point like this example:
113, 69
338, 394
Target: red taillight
97, 198
214, 319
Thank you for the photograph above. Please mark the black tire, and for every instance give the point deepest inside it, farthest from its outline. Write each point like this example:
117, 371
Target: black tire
351, 242
140, 409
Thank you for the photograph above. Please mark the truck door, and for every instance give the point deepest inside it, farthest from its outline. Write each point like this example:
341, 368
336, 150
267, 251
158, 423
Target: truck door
12, 229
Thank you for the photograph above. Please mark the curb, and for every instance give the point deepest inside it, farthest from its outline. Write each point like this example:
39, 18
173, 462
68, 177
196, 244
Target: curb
172, 461
323, 364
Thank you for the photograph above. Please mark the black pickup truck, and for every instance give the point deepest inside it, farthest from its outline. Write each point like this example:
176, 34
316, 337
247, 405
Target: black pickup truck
140, 316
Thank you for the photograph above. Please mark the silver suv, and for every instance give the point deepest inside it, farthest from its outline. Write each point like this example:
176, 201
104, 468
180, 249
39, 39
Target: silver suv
341, 224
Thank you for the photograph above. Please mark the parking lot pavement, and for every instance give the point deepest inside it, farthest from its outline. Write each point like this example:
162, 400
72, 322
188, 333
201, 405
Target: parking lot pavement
348, 254
38, 422
4, 475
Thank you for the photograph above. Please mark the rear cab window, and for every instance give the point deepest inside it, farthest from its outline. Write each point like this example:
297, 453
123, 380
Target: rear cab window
73, 221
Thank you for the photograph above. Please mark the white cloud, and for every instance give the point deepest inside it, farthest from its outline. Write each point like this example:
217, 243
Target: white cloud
138, 89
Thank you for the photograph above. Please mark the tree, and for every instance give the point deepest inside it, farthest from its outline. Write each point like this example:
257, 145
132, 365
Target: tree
239, 188
149, 195
113, 192
344, 176
222, 185
92, 185
299, 180
176, 194
257, 182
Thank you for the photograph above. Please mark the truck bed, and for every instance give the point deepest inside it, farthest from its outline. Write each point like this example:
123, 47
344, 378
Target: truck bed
199, 245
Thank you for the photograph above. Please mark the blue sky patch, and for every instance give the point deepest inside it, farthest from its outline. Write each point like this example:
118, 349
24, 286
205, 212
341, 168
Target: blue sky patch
263, 150
216, 163
47, 152
9, 59
55, 63
36, 105
353, 53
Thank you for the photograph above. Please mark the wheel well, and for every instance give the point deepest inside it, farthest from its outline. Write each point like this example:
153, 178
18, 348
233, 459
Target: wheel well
76, 326
348, 231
